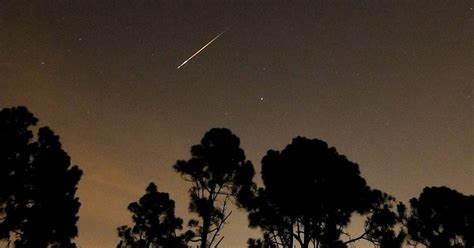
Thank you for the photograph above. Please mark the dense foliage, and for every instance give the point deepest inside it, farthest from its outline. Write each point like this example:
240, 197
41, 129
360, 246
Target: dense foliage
38, 185
155, 223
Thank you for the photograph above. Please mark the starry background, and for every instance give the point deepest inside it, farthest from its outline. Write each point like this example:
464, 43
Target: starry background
388, 83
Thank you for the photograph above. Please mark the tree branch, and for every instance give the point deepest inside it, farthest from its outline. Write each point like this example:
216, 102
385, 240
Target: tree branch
358, 238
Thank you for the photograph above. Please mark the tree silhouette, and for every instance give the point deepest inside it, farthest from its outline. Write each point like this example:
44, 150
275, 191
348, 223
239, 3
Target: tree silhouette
384, 225
41, 207
442, 217
155, 223
15, 151
218, 172
310, 193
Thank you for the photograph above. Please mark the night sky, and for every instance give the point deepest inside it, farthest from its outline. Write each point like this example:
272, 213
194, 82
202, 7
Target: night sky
388, 83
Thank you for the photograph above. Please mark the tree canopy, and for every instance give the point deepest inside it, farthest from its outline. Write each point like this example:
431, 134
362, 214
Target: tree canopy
310, 192
442, 217
155, 223
15, 151
218, 171
38, 201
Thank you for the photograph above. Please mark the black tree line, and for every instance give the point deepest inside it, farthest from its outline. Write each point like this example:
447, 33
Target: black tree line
309, 194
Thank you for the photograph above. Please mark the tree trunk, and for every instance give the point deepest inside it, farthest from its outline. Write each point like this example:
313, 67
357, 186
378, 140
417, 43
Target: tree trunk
307, 238
205, 229
206, 221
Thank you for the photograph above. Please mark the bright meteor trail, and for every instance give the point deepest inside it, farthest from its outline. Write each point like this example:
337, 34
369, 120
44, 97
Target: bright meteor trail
202, 48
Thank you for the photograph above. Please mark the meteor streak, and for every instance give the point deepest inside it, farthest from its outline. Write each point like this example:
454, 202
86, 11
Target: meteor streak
202, 48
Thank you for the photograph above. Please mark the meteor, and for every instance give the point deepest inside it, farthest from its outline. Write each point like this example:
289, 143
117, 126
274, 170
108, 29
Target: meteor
202, 48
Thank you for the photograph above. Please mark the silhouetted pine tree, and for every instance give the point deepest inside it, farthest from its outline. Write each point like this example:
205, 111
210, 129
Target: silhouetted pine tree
442, 218
218, 172
40, 207
310, 192
155, 223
